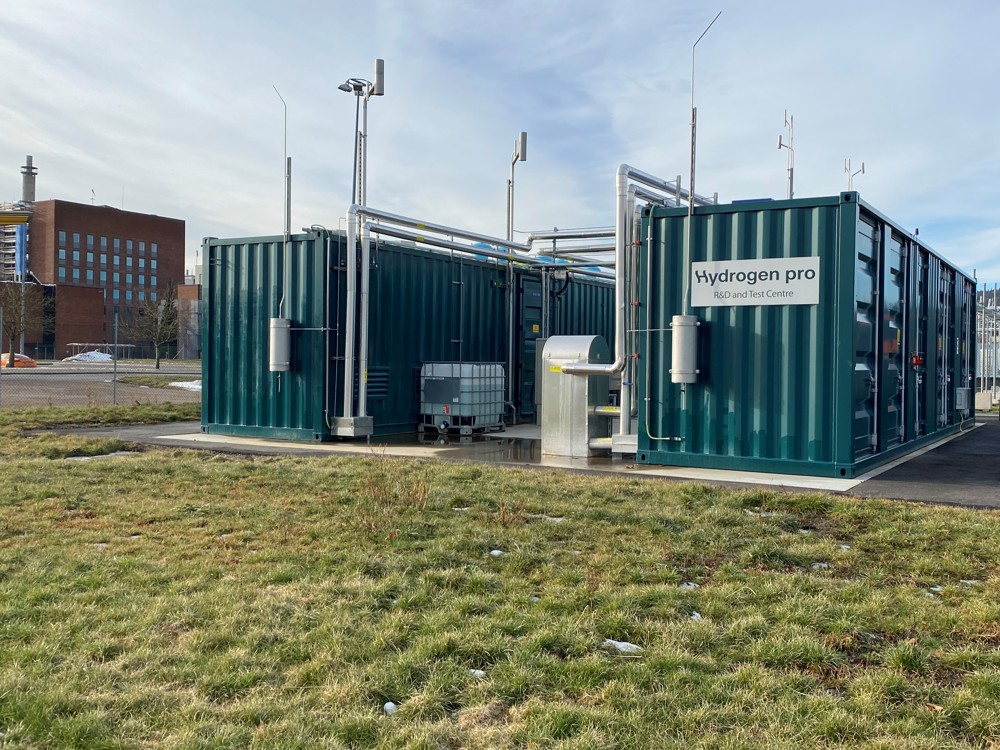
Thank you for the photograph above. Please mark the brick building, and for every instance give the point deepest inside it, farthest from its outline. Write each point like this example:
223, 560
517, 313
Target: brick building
102, 261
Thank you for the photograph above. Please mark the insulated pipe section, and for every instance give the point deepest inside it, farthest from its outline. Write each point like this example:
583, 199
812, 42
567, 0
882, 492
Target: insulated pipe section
684, 349
372, 213
402, 234
363, 331
351, 314
572, 234
622, 192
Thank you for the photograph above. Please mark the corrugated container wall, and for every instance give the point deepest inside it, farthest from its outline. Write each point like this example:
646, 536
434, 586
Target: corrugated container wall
425, 306
880, 363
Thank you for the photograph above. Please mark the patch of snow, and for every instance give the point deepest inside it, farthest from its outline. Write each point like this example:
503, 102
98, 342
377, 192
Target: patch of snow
554, 519
622, 647
820, 566
477, 673
191, 385
689, 586
497, 552
101, 545
937, 589
535, 599
389, 708
93, 356
461, 509
845, 547
969, 581
115, 454
696, 616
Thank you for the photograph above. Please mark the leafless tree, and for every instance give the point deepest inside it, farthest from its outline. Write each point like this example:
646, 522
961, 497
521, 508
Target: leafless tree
156, 321
24, 312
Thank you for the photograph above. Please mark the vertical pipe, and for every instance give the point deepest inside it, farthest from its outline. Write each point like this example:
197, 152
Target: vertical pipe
351, 313
114, 367
363, 156
510, 289
363, 329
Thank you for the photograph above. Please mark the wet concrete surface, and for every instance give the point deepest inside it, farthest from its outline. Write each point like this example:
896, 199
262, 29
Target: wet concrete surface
963, 470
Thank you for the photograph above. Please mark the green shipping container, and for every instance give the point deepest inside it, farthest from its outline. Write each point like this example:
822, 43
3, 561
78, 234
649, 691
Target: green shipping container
829, 339
425, 306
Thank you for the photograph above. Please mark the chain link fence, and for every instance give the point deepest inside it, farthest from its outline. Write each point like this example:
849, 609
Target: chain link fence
99, 383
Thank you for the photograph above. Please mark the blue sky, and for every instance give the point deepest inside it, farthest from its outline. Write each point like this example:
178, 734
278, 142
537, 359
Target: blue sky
173, 102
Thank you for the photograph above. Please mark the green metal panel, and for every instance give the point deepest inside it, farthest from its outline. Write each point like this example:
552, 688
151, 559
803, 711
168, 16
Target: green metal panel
823, 389
425, 306
429, 307
244, 287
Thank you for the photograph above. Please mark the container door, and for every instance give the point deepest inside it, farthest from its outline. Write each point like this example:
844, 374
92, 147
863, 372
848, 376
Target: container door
529, 329
892, 388
926, 327
865, 339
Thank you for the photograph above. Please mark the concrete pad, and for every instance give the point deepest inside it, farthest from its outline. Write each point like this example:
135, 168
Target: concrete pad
962, 469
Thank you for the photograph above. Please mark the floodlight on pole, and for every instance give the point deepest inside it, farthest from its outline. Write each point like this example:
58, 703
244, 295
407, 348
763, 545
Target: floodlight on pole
363, 90
520, 154
789, 121
851, 175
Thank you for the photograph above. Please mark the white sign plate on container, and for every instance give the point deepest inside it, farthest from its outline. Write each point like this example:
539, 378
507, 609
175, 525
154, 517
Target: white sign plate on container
778, 281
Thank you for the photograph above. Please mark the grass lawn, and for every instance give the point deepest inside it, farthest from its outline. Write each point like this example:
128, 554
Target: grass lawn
184, 600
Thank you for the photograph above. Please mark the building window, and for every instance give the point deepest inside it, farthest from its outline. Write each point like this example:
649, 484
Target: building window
90, 276
76, 256
62, 238
104, 277
62, 273
152, 249
116, 295
116, 260
128, 246
104, 243
152, 296
128, 279
117, 244
90, 259
128, 295
142, 296
142, 280
76, 274
142, 248
128, 261
142, 262
90, 242
152, 282
104, 259
116, 278
62, 253
76, 240
152, 265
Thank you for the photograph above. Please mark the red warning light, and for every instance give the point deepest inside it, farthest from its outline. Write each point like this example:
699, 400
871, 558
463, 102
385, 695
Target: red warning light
916, 360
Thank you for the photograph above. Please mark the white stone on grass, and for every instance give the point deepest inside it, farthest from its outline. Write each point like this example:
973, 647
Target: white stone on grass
497, 552
696, 616
622, 647
390, 708
477, 673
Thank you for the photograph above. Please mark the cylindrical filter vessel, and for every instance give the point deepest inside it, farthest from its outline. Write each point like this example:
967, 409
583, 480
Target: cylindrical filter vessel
280, 344
684, 349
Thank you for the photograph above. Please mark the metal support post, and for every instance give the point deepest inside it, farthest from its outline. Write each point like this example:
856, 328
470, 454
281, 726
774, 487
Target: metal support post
114, 366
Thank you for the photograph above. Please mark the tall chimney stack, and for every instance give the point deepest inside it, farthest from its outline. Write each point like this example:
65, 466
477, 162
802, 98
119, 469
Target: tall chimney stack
28, 173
